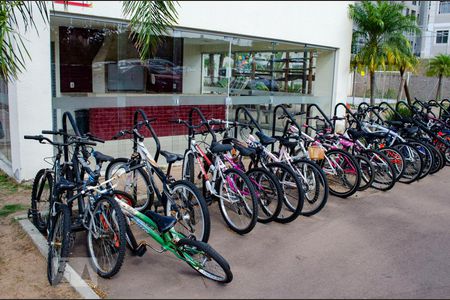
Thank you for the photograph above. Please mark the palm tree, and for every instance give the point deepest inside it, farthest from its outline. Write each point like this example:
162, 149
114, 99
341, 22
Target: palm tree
380, 29
404, 61
439, 66
149, 21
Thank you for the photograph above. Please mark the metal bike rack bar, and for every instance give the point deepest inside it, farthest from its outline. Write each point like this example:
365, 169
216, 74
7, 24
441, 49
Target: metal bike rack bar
203, 118
308, 113
248, 114
348, 111
289, 115
150, 127
65, 116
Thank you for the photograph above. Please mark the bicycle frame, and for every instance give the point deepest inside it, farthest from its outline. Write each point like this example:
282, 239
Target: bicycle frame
167, 240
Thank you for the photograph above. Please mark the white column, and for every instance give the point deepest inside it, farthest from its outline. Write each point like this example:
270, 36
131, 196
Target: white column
30, 102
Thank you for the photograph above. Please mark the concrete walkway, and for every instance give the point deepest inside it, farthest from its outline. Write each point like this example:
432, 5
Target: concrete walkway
392, 244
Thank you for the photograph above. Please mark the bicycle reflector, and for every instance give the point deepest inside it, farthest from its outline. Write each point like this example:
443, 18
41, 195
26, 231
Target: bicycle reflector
440, 133
382, 146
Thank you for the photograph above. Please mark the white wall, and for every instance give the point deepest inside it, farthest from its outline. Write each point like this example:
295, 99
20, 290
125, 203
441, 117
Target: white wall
30, 104
318, 23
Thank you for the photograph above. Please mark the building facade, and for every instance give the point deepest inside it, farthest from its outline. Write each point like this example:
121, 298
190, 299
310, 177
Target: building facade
219, 55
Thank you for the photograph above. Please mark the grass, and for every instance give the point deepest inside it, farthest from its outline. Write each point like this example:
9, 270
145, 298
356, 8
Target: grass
9, 186
8, 209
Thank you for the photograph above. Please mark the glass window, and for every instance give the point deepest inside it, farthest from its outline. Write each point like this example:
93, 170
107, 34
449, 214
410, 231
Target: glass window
441, 37
407, 11
414, 2
5, 142
444, 7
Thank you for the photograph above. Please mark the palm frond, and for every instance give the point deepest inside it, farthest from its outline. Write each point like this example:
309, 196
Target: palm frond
149, 22
15, 16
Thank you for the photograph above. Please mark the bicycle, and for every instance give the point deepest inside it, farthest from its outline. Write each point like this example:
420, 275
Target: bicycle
232, 188
98, 214
179, 198
198, 255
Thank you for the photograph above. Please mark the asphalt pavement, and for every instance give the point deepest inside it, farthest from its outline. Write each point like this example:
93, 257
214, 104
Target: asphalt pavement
393, 244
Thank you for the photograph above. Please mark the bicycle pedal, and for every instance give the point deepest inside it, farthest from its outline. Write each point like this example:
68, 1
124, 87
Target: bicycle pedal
141, 249
30, 213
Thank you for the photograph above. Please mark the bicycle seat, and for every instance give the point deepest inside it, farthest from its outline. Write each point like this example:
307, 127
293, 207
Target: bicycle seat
220, 148
171, 157
100, 157
244, 151
286, 142
264, 139
356, 134
411, 130
164, 223
394, 123
65, 184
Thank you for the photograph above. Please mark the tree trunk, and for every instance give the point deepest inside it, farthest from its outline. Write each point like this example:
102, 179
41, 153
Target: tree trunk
408, 96
372, 87
402, 84
438, 92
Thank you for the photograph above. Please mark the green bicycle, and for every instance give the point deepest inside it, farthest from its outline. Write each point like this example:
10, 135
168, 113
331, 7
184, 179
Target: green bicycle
198, 255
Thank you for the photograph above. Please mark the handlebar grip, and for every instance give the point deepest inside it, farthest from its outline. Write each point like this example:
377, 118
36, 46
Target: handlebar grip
300, 113
151, 120
51, 132
96, 139
87, 143
281, 117
33, 137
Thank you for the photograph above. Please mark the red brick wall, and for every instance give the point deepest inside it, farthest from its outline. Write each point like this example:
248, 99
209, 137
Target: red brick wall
106, 122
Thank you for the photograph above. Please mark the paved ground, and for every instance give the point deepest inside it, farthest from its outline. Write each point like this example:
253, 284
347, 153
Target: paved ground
392, 244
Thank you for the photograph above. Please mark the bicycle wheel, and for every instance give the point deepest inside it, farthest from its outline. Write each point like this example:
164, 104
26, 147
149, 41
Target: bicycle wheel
269, 193
40, 199
315, 186
438, 160
413, 162
425, 154
384, 171
205, 260
135, 183
396, 159
367, 172
128, 199
293, 193
342, 172
188, 206
58, 243
237, 201
106, 239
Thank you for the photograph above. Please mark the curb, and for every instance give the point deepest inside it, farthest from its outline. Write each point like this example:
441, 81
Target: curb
70, 274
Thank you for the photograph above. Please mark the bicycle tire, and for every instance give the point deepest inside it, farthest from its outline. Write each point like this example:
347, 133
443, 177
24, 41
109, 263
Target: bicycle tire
427, 157
43, 177
367, 172
205, 233
382, 169
119, 238
194, 246
319, 176
290, 191
273, 186
413, 165
353, 188
61, 228
397, 160
144, 200
253, 211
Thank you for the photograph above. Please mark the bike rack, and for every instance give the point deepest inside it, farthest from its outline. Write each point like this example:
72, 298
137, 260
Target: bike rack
203, 118
348, 111
442, 103
150, 127
248, 114
441, 107
308, 113
392, 109
289, 115
65, 116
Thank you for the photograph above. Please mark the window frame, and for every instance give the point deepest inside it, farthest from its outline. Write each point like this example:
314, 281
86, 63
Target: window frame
443, 34
446, 4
